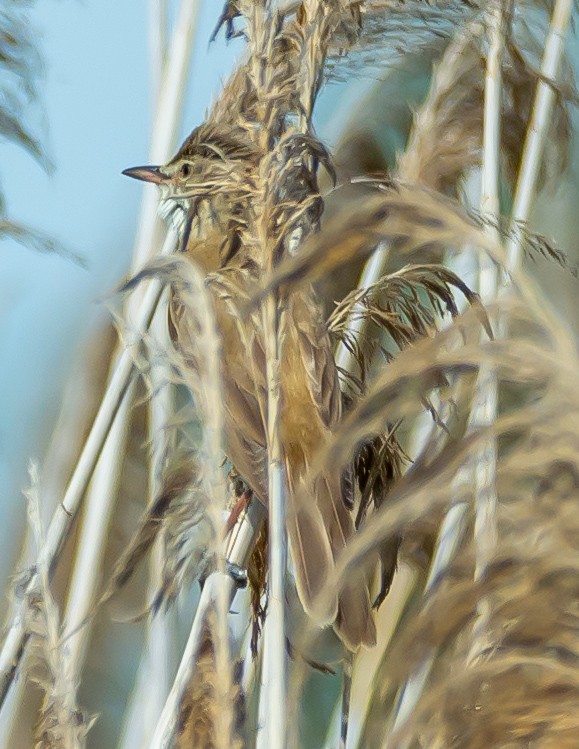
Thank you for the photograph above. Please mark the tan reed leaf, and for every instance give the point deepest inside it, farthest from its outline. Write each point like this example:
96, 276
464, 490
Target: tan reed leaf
196, 360
61, 723
201, 703
179, 516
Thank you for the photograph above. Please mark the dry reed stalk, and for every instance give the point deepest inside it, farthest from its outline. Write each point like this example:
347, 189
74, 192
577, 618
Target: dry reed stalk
76, 414
61, 724
408, 588
483, 465
13, 646
485, 398
451, 533
485, 470
170, 71
160, 628
529, 677
357, 323
245, 533
449, 538
432, 487
169, 110
99, 507
538, 128
272, 708
158, 46
16, 638
453, 527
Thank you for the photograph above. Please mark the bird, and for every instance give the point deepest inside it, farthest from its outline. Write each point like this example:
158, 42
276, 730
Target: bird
206, 193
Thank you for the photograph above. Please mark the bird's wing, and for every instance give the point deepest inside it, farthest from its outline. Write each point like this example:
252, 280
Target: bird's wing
316, 353
243, 379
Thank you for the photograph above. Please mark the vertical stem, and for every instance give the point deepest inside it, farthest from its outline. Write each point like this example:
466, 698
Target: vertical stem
346, 695
373, 269
524, 196
484, 410
449, 538
168, 117
273, 693
246, 531
93, 535
170, 69
538, 129
454, 525
489, 201
216, 489
157, 45
160, 635
273, 703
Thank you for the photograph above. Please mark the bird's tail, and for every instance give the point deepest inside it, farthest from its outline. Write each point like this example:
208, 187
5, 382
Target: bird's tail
320, 526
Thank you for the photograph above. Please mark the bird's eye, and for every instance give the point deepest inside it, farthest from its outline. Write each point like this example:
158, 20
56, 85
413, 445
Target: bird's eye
185, 170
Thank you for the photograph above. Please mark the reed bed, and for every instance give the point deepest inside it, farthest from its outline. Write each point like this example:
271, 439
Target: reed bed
355, 408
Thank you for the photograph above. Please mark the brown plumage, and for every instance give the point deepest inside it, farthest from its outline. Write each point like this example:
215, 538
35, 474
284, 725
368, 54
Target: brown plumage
245, 184
311, 408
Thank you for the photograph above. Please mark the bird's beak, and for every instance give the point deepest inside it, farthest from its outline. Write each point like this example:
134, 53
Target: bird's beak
146, 173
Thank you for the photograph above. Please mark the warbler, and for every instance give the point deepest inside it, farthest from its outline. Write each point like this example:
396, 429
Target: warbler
207, 191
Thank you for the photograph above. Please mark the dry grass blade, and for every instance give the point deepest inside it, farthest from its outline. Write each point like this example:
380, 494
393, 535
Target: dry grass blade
539, 123
396, 393
38, 241
61, 724
199, 710
390, 29
418, 370
531, 623
404, 304
533, 659
21, 66
180, 514
485, 400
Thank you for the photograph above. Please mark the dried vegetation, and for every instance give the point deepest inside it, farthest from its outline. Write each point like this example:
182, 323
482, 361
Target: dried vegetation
254, 348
